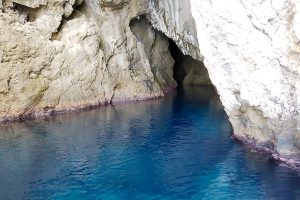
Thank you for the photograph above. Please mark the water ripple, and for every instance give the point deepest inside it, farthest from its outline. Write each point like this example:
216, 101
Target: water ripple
175, 148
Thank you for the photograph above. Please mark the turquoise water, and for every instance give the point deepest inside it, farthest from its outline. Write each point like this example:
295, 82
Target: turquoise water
174, 148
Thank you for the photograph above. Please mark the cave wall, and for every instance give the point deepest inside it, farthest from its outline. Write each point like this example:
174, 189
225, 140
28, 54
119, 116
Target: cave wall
175, 20
196, 72
187, 70
156, 47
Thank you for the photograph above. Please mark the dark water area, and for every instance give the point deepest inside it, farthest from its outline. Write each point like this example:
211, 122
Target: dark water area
174, 148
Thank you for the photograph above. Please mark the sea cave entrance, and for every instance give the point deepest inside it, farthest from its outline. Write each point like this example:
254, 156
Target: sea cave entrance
171, 68
188, 71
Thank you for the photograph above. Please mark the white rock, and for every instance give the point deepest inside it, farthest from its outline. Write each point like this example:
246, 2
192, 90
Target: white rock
251, 50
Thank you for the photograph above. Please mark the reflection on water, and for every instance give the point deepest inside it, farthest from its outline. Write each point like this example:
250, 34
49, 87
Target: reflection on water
174, 148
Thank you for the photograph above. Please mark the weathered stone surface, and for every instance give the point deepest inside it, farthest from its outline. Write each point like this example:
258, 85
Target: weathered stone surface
67, 59
174, 18
156, 46
251, 50
59, 55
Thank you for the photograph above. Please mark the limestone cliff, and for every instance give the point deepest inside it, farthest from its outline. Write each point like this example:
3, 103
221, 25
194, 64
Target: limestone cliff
252, 53
58, 55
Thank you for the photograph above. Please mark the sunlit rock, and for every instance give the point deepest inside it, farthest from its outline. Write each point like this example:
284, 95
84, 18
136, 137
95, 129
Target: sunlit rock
251, 50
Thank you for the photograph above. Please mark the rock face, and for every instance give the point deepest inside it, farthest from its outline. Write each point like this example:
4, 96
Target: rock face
252, 52
58, 55
156, 46
174, 18
69, 54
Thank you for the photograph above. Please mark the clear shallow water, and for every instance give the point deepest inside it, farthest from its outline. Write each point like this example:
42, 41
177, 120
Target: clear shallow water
174, 148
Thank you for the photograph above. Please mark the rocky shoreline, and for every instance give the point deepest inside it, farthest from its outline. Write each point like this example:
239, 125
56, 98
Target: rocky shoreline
271, 154
50, 112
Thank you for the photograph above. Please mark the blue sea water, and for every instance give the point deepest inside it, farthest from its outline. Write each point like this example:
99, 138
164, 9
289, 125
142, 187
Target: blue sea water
174, 148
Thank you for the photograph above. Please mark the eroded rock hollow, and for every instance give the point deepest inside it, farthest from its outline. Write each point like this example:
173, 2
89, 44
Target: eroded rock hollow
58, 55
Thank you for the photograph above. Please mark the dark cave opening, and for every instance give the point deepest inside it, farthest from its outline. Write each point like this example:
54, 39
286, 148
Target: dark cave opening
178, 70
187, 70
170, 67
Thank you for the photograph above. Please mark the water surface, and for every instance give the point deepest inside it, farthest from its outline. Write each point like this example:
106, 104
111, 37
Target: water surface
174, 148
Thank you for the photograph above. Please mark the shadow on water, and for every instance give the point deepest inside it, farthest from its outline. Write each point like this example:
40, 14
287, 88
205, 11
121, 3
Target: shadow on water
178, 147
